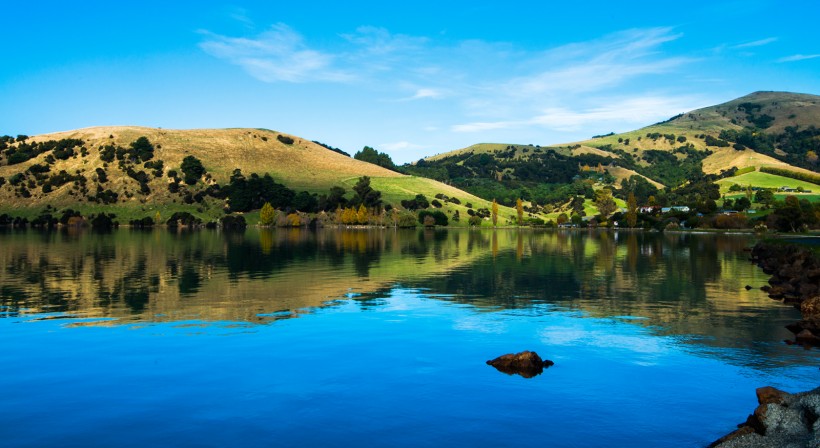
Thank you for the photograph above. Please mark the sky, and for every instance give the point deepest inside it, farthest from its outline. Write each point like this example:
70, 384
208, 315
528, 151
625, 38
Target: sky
411, 79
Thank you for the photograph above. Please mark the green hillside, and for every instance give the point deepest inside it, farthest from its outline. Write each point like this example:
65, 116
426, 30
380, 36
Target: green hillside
136, 172
763, 130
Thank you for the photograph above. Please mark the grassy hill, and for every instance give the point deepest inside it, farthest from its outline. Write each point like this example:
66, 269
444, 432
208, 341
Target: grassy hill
769, 113
299, 164
761, 130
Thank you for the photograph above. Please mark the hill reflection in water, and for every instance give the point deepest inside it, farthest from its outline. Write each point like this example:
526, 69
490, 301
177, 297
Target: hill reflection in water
681, 284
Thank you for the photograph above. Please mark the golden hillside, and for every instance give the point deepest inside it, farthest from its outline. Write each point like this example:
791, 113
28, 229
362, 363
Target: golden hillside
295, 162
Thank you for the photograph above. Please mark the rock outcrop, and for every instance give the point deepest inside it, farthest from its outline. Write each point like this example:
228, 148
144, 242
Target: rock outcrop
780, 420
795, 279
527, 364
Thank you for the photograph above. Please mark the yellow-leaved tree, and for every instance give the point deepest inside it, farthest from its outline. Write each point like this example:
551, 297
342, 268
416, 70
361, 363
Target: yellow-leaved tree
495, 212
631, 210
267, 216
519, 209
362, 216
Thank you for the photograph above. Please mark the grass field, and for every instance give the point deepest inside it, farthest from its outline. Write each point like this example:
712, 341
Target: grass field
765, 180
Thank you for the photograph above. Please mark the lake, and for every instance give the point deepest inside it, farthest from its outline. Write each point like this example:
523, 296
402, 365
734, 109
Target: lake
340, 338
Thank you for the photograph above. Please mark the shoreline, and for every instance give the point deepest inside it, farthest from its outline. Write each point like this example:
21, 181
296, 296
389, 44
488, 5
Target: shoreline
784, 419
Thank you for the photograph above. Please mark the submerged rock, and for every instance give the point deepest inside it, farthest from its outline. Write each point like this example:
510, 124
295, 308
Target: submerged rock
527, 364
780, 420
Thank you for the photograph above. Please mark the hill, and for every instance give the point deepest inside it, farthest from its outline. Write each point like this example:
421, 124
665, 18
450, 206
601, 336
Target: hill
763, 130
136, 172
759, 129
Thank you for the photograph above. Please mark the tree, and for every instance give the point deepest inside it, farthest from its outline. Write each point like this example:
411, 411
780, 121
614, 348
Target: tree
365, 194
419, 202
562, 219
605, 203
577, 205
370, 155
742, 203
305, 202
788, 216
362, 216
631, 210
438, 216
519, 210
495, 212
811, 157
192, 169
349, 216
333, 200
141, 149
765, 197
267, 216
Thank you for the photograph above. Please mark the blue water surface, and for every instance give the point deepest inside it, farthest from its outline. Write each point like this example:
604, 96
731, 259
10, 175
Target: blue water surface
398, 366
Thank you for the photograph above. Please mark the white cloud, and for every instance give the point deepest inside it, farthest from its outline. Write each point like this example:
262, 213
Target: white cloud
428, 93
279, 54
379, 41
598, 64
400, 146
632, 111
484, 87
485, 126
757, 43
798, 57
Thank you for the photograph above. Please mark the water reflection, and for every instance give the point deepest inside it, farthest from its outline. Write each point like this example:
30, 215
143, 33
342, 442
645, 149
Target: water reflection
682, 283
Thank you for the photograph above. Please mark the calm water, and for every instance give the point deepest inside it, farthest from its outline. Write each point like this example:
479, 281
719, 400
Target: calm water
378, 338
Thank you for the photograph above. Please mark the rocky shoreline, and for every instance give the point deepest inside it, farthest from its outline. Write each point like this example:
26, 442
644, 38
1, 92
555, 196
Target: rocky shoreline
795, 279
782, 419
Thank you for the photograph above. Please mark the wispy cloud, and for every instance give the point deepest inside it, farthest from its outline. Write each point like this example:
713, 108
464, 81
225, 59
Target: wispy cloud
396, 147
498, 86
568, 88
282, 54
279, 54
638, 111
756, 43
798, 57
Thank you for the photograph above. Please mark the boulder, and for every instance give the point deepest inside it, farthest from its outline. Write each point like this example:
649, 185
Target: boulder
807, 337
810, 307
527, 364
770, 395
780, 420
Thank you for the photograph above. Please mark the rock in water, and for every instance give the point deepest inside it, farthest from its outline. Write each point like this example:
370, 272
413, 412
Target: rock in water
780, 420
527, 364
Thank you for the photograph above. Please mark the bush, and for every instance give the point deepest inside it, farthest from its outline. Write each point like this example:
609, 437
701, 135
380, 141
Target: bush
748, 169
192, 169
183, 219
233, 222
284, 139
104, 221
733, 221
419, 202
475, 221
807, 177
142, 223
406, 219
439, 218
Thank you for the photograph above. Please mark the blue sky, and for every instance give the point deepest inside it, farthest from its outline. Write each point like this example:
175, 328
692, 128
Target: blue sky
413, 79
